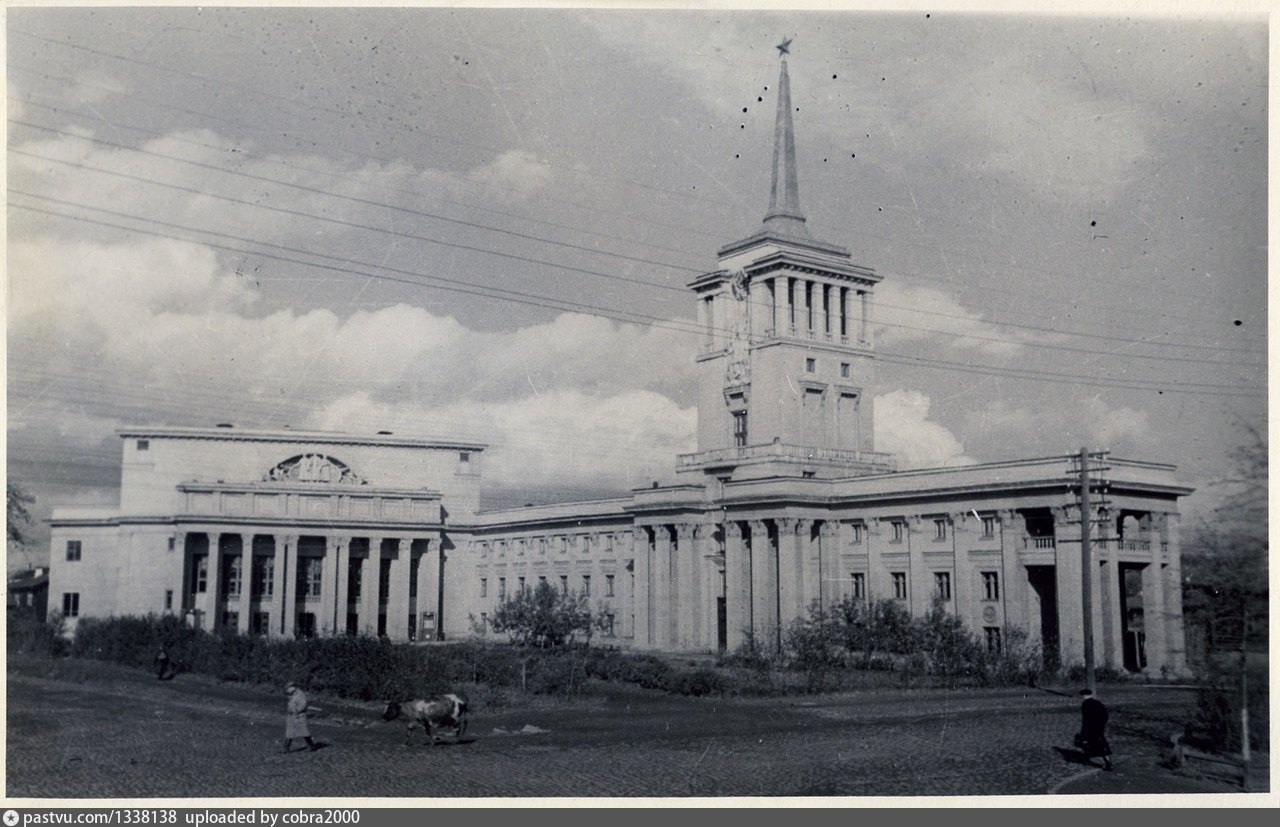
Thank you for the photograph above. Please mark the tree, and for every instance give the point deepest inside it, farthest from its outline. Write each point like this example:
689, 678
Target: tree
543, 616
18, 517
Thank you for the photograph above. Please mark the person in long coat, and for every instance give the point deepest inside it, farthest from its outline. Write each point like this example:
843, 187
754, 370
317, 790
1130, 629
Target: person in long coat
295, 722
1092, 738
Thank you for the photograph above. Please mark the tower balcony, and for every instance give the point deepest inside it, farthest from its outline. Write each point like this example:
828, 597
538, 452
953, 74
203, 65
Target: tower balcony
844, 460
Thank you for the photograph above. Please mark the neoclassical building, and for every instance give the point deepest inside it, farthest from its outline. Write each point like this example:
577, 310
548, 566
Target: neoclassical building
784, 503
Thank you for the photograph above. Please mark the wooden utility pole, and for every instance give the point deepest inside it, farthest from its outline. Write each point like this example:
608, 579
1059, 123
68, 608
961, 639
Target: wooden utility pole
1086, 571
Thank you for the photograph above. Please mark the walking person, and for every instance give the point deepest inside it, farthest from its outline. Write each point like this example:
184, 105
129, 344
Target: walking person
1092, 738
162, 662
295, 722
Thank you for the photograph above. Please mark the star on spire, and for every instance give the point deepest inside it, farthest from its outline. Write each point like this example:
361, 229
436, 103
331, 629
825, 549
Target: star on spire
784, 48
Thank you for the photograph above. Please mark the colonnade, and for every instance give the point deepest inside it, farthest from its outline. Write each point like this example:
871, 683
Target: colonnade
293, 584
790, 307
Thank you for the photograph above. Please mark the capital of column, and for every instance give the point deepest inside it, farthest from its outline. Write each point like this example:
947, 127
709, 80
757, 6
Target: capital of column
639, 535
803, 525
759, 529
829, 529
786, 525
733, 530
684, 530
704, 531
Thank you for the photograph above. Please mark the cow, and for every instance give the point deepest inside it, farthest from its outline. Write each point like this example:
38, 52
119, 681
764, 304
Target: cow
443, 712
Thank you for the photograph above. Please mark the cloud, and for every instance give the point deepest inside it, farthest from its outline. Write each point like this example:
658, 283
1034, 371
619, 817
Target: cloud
562, 438
514, 175
903, 312
903, 428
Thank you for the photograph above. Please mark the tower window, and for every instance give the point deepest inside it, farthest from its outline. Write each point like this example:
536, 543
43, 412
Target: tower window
940, 529
942, 585
990, 585
810, 365
859, 586
740, 428
73, 550
988, 526
844, 370
899, 585
144, 445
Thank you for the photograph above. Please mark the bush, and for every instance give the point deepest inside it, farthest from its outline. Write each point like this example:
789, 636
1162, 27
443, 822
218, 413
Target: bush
543, 617
27, 634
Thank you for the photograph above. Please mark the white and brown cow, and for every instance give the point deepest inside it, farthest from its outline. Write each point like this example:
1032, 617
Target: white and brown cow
443, 714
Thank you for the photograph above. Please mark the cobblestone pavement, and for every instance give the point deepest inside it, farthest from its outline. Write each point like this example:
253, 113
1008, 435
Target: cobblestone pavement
90, 730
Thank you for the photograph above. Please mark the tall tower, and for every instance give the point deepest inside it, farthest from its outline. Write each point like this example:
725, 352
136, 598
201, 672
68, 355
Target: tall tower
787, 360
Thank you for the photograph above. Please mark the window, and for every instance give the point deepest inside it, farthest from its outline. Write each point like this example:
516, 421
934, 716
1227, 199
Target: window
857, 532
859, 585
263, 577
309, 584
992, 634
564, 584
173, 542
739, 428
608, 624
940, 529
143, 445
563, 543
521, 585
942, 584
810, 365
900, 585
464, 458
355, 579
991, 585
200, 573
71, 604
484, 587
384, 585
608, 585
484, 621
231, 584
586, 585
899, 529
168, 599
542, 580
989, 525
73, 550
231, 620
261, 623
844, 370
502, 588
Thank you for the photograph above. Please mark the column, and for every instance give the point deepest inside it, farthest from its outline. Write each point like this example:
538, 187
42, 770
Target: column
758, 311
688, 587
963, 586
1175, 631
919, 581
737, 574
246, 584
793, 556
1013, 576
325, 615
370, 573
287, 583
781, 309
1108, 630
398, 596
1153, 613
1068, 581
825, 566
764, 587
877, 581
864, 335
342, 556
643, 595
703, 552
795, 306
213, 601
662, 604
430, 550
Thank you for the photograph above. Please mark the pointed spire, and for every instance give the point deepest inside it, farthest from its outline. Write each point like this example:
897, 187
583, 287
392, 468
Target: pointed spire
784, 214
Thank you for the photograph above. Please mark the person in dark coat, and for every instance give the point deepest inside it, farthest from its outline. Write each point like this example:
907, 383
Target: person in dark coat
162, 662
1092, 738
295, 722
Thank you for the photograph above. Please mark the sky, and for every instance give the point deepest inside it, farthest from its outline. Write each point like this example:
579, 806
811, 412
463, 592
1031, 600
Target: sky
480, 223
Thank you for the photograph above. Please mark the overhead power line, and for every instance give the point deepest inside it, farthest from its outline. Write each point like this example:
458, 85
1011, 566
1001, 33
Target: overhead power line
416, 279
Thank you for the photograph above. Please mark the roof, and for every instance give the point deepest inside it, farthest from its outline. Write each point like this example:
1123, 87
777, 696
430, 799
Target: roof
227, 433
28, 580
